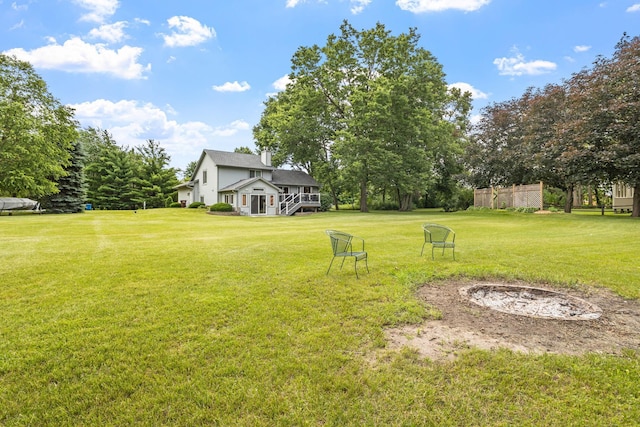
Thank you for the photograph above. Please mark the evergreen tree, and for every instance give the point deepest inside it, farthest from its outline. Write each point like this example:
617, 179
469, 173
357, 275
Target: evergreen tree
154, 178
72, 189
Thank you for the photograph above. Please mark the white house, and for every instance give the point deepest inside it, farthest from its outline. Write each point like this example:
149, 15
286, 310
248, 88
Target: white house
250, 184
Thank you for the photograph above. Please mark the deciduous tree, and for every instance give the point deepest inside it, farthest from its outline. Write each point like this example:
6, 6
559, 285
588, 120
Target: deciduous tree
36, 132
370, 107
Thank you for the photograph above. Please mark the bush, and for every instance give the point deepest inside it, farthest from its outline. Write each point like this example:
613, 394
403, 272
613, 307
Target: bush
553, 197
175, 205
526, 210
385, 206
196, 205
325, 202
221, 207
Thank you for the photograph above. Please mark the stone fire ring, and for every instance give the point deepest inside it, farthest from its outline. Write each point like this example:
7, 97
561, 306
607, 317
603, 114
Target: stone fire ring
531, 302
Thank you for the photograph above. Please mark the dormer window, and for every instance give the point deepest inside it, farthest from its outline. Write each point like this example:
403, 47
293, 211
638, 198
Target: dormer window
255, 174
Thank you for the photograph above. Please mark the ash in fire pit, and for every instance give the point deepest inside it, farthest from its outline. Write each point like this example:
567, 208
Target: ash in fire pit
532, 302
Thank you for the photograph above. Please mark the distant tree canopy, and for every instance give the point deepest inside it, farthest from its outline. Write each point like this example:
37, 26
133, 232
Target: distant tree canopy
243, 150
368, 112
125, 178
36, 132
583, 131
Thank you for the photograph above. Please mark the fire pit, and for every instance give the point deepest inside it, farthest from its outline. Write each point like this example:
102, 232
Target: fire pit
532, 302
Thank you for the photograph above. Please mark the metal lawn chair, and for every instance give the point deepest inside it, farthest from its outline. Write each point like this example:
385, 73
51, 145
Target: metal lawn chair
439, 236
342, 246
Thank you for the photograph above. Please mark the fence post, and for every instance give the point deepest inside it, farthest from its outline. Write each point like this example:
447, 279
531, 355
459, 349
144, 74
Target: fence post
541, 196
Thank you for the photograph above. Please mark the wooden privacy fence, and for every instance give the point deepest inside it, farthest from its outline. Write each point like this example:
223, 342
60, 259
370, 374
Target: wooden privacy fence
516, 196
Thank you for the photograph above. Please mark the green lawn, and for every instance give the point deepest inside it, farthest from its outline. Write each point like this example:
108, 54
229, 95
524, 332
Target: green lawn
175, 317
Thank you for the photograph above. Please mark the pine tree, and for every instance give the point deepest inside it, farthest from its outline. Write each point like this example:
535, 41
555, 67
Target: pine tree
72, 190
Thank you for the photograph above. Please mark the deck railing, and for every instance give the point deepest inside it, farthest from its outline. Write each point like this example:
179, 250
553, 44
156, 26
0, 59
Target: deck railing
289, 203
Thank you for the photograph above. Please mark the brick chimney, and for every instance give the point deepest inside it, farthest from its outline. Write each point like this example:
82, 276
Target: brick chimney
265, 157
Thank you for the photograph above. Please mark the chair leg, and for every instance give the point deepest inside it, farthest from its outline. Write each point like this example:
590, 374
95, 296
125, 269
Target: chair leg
355, 266
432, 249
330, 265
341, 265
422, 251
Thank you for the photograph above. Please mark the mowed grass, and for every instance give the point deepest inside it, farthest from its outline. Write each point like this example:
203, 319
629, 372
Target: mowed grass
176, 317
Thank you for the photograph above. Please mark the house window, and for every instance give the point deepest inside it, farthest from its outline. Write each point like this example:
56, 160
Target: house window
204, 177
202, 199
255, 174
272, 200
228, 198
244, 200
306, 190
285, 190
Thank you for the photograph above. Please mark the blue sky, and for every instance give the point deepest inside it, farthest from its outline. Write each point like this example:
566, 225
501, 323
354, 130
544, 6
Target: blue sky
193, 74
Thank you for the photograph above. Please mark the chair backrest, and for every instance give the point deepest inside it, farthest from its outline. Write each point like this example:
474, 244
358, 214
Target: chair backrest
340, 241
435, 232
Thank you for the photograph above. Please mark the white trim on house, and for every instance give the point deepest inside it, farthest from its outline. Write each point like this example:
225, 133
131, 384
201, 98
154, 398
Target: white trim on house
222, 176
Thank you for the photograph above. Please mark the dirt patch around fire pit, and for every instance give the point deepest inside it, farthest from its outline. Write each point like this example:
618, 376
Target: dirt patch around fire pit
465, 324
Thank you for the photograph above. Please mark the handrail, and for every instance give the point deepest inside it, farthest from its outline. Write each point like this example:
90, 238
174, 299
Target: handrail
292, 201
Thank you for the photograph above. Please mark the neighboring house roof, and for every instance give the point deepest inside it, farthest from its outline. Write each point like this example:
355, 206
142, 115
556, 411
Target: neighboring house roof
291, 177
245, 182
187, 184
237, 160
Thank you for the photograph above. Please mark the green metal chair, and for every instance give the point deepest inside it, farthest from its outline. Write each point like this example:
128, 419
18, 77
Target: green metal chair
342, 246
439, 236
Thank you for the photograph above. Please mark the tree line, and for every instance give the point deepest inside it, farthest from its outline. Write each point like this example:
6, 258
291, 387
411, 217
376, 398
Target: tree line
369, 115
45, 155
583, 131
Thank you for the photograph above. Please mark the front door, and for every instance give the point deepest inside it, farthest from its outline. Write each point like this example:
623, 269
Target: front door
258, 204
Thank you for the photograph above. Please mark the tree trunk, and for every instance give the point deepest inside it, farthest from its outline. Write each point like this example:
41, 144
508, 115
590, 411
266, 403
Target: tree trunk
569, 201
636, 201
363, 197
336, 202
405, 202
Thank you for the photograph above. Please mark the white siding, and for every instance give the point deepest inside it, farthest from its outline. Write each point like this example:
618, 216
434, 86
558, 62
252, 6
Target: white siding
207, 191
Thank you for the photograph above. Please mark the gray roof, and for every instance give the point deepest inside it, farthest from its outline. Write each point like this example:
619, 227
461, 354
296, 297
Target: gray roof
237, 160
244, 182
291, 177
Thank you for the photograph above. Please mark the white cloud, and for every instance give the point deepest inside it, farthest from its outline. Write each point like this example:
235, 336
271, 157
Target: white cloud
282, 82
232, 87
99, 10
18, 25
581, 48
466, 87
132, 123
18, 7
359, 5
75, 55
187, 32
232, 128
634, 8
517, 66
421, 6
112, 33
